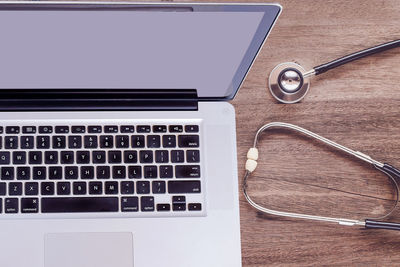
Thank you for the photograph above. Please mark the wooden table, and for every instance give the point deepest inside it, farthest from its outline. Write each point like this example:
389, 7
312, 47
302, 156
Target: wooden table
356, 105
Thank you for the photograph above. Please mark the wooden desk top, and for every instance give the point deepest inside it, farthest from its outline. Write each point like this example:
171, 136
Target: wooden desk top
356, 105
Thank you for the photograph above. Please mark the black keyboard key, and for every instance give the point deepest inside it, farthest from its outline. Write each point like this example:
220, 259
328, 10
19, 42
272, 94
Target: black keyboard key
158, 187
119, 172
188, 141
114, 157
143, 187
82, 157
27, 142
94, 129
111, 129
162, 156
47, 188
159, 129
74, 141
23, 173
103, 172
111, 188
135, 172
39, 173
11, 142
150, 172
137, 141
79, 188
143, 128
63, 188
1, 129
31, 189
163, 207
130, 156
82, 204
7, 173
1, 142
127, 129
193, 156
187, 171
192, 128
43, 142
55, 173
87, 172
62, 129
146, 156
4, 158
12, 129
127, 187
169, 141
181, 187
99, 157
194, 206
19, 157
95, 188
129, 204
29, 205
166, 171
45, 129
106, 141
59, 141
147, 203
78, 129
177, 156
71, 172
11, 205
3, 189
175, 129
51, 157
122, 141
15, 189
35, 157
67, 157
178, 207
29, 129
178, 200
90, 141
153, 141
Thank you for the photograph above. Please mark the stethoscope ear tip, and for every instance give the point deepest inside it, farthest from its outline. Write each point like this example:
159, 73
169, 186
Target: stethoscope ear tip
288, 83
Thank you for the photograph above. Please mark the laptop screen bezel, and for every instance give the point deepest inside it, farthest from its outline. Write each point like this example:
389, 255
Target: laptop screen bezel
253, 50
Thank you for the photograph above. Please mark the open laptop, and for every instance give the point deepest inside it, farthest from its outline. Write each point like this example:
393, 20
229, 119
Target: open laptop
118, 145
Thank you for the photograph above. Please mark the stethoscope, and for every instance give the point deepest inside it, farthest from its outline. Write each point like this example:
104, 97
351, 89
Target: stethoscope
289, 82
390, 171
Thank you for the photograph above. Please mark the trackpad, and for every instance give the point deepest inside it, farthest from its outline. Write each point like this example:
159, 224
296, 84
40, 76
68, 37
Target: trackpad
88, 249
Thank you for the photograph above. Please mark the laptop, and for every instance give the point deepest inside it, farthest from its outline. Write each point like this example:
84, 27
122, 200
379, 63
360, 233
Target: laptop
118, 143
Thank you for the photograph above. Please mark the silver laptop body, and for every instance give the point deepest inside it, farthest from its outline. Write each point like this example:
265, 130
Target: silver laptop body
118, 146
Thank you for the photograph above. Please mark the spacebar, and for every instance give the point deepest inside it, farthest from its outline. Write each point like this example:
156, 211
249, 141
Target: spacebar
79, 204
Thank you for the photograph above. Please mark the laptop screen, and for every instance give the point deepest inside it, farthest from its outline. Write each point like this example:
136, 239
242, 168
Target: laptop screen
208, 48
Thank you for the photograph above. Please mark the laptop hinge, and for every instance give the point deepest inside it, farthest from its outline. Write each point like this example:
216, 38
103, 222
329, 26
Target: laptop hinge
97, 99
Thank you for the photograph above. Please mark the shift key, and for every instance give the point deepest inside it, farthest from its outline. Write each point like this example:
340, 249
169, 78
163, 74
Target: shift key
188, 141
176, 187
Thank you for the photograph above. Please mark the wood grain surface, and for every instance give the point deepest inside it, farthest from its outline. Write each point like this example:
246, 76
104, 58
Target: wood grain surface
356, 105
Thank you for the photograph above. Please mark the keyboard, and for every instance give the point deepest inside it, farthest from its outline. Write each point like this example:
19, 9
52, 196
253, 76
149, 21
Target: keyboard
119, 170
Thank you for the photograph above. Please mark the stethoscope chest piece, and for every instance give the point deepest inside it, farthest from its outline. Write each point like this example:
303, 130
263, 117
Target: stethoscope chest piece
288, 82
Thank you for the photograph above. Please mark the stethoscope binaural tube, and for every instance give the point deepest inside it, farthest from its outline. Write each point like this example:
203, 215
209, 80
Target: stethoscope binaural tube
390, 171
289, 82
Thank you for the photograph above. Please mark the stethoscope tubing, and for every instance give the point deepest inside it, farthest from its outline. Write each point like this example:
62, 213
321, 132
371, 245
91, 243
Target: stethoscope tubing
387, 169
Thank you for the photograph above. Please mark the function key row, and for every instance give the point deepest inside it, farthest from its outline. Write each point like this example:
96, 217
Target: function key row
100, 129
